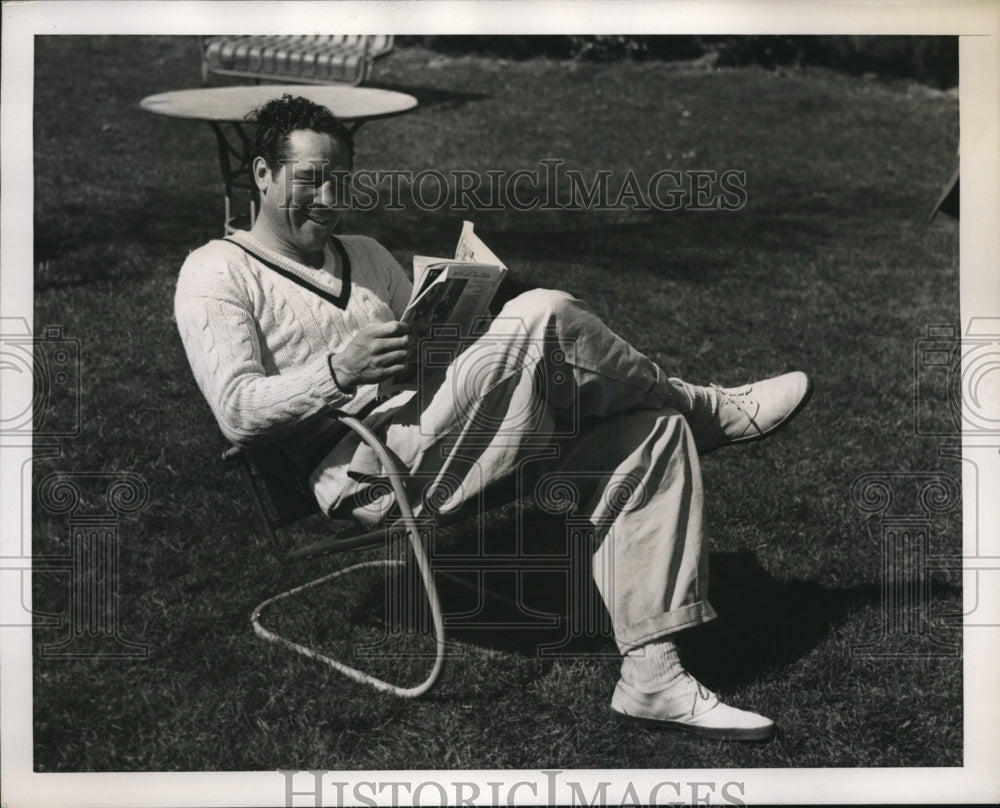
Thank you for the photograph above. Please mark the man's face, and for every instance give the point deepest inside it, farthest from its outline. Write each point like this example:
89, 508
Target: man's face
306, 197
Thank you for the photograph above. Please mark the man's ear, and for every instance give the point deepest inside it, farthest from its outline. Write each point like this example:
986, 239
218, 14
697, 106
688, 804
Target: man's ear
260, 173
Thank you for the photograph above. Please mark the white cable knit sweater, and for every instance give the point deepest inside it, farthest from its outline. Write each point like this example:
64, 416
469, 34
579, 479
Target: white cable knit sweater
259, 343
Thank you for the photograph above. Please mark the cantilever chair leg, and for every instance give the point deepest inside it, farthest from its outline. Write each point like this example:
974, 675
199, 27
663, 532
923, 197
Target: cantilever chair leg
409, 522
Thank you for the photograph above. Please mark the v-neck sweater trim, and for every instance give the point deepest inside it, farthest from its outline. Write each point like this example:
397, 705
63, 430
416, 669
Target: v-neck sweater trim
318, 280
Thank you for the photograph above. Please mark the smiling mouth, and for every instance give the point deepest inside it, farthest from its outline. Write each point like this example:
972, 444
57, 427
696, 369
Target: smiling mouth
323, 220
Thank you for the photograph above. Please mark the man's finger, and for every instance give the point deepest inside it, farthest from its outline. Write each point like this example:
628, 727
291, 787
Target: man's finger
393, 328
388, 344
393, 358
380, 373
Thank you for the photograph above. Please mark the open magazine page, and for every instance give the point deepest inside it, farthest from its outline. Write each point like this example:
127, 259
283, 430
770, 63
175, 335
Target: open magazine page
453, 294
449, 296
421, 274
436, 302
472, 249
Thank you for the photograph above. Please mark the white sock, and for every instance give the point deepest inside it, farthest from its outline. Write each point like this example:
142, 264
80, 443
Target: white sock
653, 667
702, 403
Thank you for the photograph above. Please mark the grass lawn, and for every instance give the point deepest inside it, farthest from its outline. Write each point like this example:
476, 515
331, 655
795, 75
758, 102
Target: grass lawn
831, 267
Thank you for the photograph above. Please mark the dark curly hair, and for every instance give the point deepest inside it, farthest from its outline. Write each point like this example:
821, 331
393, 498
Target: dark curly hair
278, 118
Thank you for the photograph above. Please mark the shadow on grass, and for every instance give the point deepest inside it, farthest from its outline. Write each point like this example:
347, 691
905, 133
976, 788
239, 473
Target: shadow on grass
535, 611
765, 624
433, 97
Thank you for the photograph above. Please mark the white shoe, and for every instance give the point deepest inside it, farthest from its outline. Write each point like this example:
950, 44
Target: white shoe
693, 708
752, 412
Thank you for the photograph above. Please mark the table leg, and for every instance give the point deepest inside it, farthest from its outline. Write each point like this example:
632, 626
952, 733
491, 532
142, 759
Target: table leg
234, 161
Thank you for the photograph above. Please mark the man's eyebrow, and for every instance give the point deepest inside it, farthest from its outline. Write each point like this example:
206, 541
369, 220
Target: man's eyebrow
310, 170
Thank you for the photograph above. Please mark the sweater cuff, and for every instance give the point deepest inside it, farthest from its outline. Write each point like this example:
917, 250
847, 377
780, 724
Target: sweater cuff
345, 395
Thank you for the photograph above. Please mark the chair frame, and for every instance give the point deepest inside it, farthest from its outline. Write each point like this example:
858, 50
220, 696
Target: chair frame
406, 521
271, 487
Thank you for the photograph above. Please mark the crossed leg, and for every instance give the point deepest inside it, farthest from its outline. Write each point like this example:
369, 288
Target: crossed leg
547, 371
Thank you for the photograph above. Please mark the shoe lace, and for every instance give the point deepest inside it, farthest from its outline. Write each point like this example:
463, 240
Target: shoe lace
701, 693
736, 397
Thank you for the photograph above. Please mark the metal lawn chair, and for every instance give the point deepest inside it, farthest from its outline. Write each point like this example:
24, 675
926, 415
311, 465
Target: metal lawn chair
281, 497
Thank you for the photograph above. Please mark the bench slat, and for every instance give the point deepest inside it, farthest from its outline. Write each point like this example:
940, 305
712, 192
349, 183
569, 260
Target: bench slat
313, 59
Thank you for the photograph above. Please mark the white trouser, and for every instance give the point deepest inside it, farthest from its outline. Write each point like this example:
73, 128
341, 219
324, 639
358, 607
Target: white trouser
549, 377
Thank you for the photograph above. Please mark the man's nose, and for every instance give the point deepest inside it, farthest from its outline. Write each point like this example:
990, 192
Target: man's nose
324, 197
332, 194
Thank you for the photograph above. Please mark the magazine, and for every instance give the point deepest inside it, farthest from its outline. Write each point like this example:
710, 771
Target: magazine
449, 296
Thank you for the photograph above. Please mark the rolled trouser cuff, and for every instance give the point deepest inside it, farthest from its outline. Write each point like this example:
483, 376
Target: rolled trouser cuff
652, 628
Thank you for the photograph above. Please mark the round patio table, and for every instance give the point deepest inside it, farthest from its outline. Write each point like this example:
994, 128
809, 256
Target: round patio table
225, 109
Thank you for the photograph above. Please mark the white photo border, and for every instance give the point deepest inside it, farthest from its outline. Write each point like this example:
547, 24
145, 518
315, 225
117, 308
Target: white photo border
978, 26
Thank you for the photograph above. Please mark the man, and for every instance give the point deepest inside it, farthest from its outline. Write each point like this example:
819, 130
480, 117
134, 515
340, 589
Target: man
287, 321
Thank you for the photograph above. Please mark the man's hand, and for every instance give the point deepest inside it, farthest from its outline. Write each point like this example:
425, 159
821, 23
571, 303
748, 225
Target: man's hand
378, 352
